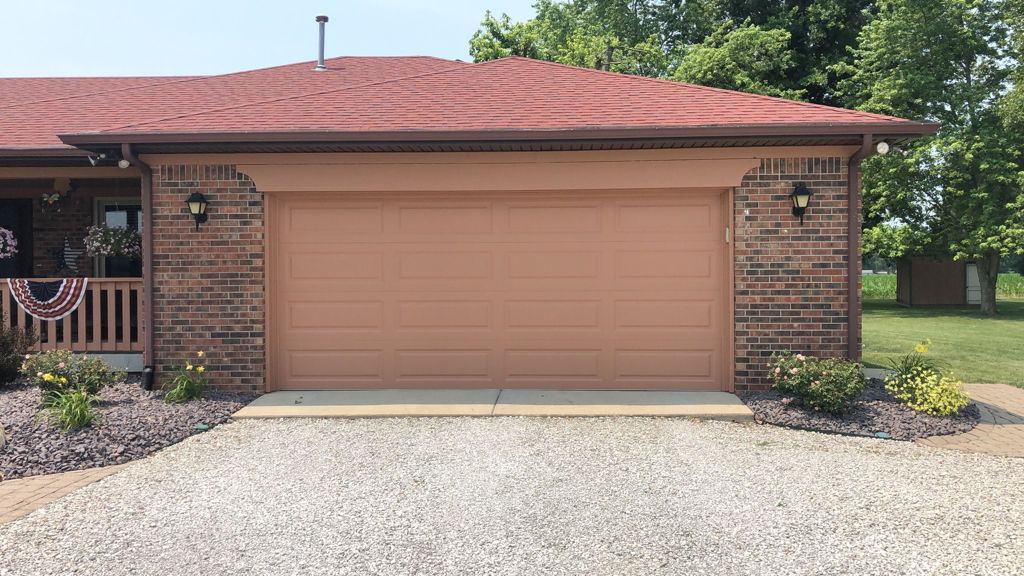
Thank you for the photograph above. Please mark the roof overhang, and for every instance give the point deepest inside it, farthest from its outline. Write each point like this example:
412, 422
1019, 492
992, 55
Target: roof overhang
502, 140
51, 156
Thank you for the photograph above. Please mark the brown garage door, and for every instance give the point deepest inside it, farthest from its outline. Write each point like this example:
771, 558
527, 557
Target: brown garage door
600, 290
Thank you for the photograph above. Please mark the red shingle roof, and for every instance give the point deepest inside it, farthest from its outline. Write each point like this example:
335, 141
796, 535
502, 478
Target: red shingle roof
364, 96
17, 91
507, 94
37, 124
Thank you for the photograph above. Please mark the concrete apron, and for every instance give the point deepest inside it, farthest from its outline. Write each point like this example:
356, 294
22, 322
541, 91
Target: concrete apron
493, 402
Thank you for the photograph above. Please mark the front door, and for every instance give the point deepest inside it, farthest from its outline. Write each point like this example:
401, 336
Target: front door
16, 216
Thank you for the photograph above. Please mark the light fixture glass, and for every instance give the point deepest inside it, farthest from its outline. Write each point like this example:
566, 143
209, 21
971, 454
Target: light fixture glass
197, 204
801, 197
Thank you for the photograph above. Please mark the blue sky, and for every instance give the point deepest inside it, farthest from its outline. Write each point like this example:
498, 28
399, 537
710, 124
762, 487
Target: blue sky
159, 37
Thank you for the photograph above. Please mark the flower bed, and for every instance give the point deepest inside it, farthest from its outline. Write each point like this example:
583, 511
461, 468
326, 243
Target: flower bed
130, 424
872, 412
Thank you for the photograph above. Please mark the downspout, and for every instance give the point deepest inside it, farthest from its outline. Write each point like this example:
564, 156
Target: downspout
147, 262
853, 246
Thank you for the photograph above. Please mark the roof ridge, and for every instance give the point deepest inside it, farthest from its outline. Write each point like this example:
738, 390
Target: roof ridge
166, 80
126, 77
183, 79
701, 87
459, 66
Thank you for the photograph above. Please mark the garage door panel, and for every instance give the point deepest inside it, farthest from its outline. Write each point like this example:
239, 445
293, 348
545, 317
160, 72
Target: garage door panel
456, 364
446, 219
444, 314
615, 291
548, 219
344, 315
665, 217
337, 363
336, 266
315, 222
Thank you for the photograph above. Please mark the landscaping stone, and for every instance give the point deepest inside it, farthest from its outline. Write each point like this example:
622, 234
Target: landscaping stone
132, 423
874, 412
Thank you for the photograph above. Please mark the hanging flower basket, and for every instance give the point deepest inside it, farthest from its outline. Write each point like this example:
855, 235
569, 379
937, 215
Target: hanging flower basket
113, 242
8, 244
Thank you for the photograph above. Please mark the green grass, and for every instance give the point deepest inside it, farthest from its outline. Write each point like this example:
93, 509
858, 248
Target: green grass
988, 350
883, 286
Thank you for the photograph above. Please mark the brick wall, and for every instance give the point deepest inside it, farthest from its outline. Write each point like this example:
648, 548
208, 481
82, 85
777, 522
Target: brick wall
208, 285
790, 279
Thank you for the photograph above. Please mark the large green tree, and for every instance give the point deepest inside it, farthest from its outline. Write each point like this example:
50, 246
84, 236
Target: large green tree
948, 61
776, 47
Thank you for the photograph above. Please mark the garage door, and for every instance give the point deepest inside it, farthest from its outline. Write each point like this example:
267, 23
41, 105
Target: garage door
599, 290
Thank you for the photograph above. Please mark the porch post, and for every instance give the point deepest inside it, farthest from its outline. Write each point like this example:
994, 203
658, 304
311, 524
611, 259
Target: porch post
148, 354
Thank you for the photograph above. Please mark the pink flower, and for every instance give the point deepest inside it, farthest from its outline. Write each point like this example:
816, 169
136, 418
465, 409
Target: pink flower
61, 365
777, 370
801, 357
793, 370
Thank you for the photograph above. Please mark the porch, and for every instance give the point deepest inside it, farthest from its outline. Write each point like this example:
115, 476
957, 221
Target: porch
49, 211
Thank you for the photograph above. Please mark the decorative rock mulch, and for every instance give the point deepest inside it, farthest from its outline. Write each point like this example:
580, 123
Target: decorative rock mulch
874, 412
132, 423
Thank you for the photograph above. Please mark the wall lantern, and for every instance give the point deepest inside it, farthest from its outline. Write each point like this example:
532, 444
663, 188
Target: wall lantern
801, 197
197, 207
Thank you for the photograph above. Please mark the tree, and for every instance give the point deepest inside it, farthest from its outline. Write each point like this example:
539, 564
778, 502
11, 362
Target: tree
658, 37
579, 33
948, 61
747, 58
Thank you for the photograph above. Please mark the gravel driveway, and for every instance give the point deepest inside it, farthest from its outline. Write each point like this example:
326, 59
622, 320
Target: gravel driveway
524, 496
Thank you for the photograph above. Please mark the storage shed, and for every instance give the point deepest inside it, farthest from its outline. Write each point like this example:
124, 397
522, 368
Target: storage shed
929, 281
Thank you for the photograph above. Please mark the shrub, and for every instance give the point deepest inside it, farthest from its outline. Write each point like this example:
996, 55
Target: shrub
188, 383
14, 345
70, 409
924, 384
62, 370
823, 384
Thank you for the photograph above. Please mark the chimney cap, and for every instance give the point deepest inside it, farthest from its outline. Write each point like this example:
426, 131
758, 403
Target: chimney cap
321, 18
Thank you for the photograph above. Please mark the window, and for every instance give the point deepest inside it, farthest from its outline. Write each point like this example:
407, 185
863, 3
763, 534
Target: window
119, 213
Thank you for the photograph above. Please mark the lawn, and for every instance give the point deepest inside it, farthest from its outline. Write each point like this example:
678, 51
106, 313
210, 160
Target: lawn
978, 349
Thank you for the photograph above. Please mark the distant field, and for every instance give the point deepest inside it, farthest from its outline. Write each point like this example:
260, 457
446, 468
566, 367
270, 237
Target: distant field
883, 286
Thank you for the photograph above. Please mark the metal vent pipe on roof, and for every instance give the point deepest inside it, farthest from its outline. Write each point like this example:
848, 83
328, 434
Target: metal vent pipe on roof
320, 66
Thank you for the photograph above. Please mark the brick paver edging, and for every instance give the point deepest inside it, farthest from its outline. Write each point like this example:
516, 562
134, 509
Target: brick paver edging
1001, 430
25, 495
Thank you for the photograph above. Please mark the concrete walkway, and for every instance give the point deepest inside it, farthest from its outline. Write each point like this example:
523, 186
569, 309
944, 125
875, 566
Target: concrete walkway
389, 403
25, 495
1001, 430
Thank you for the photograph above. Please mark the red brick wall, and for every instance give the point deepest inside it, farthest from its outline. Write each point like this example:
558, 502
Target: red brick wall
209, 284
790, 280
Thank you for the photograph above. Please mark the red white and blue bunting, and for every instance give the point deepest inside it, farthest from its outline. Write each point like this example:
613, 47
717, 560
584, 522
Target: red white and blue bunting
48, 300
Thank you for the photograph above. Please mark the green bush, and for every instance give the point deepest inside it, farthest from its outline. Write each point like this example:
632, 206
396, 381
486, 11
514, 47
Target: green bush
62, 370
14, 345
70, 409
823, 384
188, 383
925, 385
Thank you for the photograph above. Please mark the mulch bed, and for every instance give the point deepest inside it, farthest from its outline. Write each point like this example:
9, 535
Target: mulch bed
874, 412
132, 424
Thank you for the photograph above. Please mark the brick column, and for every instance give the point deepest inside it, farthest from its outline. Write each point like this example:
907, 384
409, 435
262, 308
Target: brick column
790, 279
209, 285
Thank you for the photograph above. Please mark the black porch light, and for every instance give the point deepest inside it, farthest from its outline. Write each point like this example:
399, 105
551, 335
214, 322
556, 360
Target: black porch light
197, 207
801, 197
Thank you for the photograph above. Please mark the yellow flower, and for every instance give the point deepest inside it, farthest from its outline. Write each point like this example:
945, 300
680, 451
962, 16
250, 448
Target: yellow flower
201, 369
200, 354
188, 367
48, 377
921, 348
